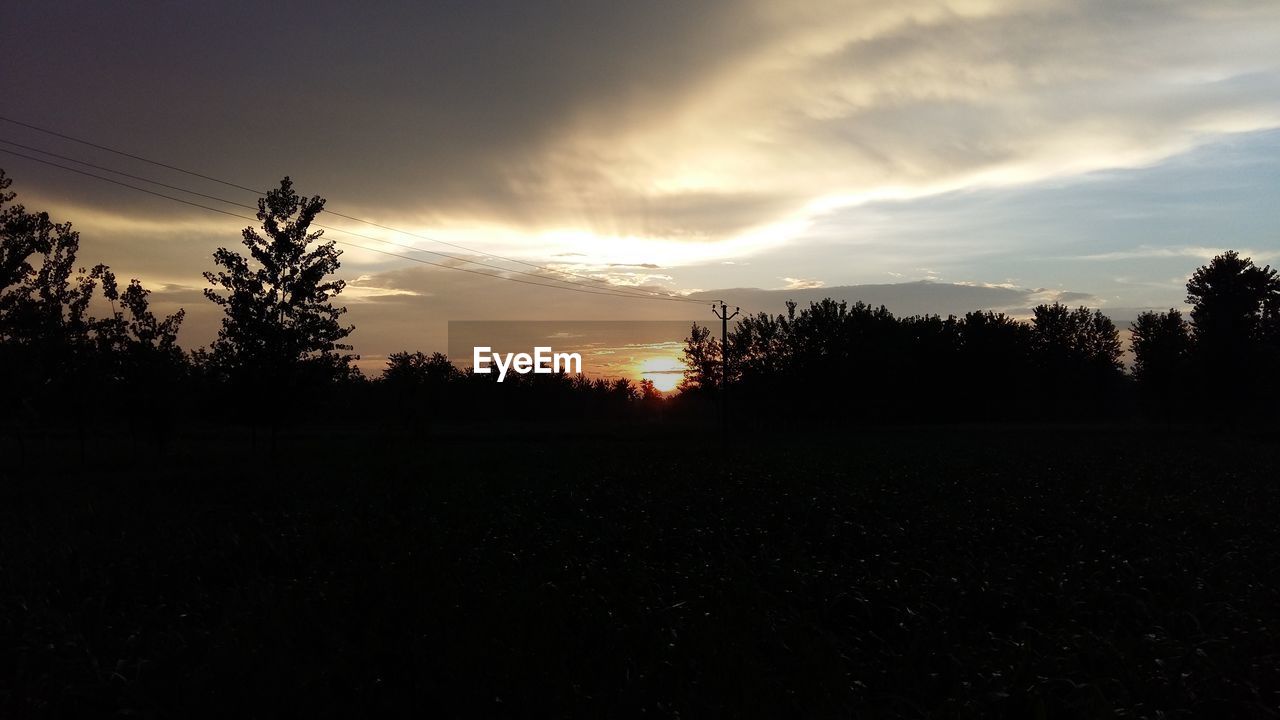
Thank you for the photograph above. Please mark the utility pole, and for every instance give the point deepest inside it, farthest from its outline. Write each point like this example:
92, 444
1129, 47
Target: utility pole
723, 313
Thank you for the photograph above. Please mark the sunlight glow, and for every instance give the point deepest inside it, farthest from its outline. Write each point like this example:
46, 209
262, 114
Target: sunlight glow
665, 372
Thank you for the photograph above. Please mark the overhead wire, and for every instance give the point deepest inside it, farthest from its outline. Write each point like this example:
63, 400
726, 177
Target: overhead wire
319, 225
228, 183
120, 183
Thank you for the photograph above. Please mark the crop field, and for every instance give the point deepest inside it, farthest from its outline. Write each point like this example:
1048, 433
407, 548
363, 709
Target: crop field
908, 572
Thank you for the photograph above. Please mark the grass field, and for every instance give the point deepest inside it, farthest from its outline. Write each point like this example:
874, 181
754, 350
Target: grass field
955, 572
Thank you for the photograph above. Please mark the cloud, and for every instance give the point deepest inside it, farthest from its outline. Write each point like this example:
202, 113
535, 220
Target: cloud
802, 284
725, 125
1064, 297
1195, 252
717, 142
367, 287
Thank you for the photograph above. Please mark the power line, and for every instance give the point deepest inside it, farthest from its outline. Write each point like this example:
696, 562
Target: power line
331, 212
619, 291
343, 242
613, 289
128, 155
123, 174
725, 317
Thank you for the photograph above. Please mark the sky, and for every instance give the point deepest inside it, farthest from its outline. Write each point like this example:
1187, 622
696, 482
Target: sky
936, 156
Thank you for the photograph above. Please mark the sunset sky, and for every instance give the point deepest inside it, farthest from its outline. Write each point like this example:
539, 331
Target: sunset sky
1005, 152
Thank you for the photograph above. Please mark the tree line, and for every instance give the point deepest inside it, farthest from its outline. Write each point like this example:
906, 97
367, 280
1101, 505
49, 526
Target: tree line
77, 348
835, 361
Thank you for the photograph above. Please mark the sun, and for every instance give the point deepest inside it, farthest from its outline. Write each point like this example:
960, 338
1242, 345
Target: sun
665, 372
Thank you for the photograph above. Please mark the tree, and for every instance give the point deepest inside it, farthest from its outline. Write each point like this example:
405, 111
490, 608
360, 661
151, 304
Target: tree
1066, 340
1233, 303
1103, 351
143, 349
279, 323
45, 331
759, 345
43, 328
1235, 320
417, 388
416, 369
22, 234
137, 355
1077, 354
648, 392
992, 344
701, 360
992, 365
44, 302
1161, 344
57, 359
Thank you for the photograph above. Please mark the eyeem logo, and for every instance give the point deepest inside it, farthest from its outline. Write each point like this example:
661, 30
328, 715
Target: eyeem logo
541, 362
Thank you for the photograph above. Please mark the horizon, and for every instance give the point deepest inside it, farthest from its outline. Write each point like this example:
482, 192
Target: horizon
845, 358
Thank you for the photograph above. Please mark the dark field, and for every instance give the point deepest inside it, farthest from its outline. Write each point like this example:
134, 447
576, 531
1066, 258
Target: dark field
891, 573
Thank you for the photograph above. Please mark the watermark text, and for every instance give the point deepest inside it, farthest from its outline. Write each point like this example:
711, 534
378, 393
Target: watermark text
543, 361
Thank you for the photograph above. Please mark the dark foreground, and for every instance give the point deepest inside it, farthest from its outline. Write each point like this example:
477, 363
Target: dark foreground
897, 573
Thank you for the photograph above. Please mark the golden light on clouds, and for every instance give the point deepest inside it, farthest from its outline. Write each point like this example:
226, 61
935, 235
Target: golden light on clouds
778, 116
728, 145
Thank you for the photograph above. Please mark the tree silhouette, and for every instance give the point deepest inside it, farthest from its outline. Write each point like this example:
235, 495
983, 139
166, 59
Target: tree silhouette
1231, 301
22, 235
1077, 353
829, 361
418, 369
45, 331
56, 356
648, 392
1063, 338
760, 345
991, 365
702, 358
838, 361
143, 344
139, 357
1234, 321
43, 303
1161, 344
279, 325
43, 328
418, 386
